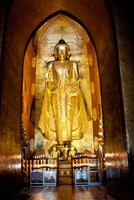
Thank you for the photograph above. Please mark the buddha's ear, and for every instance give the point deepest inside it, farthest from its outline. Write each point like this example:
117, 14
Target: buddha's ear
69, 54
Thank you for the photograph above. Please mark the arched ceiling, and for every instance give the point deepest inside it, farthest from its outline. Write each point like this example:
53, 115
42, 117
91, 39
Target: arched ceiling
25, 16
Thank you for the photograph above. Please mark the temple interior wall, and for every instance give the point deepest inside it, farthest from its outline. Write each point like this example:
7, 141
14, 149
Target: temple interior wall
23, 18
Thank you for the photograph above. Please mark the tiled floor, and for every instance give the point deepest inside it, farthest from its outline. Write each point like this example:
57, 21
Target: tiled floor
67, 192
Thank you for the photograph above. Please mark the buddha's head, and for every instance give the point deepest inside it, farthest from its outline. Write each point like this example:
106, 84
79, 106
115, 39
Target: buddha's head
72, 148
62, 51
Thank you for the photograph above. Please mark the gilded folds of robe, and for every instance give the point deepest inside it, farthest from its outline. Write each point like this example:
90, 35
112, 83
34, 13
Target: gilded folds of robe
63, 115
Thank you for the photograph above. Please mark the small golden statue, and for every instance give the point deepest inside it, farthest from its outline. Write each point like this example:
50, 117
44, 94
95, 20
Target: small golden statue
55, 152
65, 152
63, 116
72, 151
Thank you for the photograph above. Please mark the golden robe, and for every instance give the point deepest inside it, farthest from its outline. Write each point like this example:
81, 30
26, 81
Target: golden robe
63, 115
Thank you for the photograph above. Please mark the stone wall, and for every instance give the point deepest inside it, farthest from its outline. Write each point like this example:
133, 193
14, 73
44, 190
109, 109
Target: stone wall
121, 183
10, 149
28, 92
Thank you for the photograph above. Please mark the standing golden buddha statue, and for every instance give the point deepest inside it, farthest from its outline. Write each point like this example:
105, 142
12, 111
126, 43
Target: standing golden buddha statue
63, 116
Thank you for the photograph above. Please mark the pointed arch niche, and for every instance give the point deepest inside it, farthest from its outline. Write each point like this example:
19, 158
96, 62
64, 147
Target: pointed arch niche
38, 53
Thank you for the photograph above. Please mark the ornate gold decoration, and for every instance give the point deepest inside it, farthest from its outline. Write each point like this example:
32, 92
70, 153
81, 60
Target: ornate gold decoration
92, 87
34, 62
100, 131
94, 114
96, 144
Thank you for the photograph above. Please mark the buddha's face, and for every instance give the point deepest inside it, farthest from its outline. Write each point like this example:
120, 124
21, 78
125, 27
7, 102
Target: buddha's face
62, 52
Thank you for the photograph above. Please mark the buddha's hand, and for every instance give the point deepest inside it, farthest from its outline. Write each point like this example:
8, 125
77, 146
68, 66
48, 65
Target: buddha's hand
72, 88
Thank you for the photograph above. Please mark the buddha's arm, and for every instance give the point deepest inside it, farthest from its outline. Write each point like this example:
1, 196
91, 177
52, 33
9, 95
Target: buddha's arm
51, 78
73, 79
49, 72
75, 74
